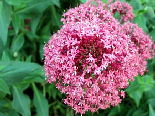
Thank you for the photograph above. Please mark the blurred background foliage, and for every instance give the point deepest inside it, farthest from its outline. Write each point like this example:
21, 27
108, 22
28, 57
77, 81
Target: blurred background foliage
25, 26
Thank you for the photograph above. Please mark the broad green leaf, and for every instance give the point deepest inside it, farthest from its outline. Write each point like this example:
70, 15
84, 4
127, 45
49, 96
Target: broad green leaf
150, 13
2, 95
136, 4
104, 1
37, 75
55, 16
29, 59
152, 21
23, 85
15, 71
1, 47
146, 82
51, 87
3, 86
130, 112
150, 94
138, 112
9, 112
142, 11
152, 102
36, 7
56, 2
5, 17
1, 67
31, 36
144, 1
40, 102
140, 20
2, 114
21, 102
46, 30
12, 112
136, 96
17, 2
11, 32
83, 1
17, 43
151, 111
152, 34
35, 22
135, 92
1, 6
122, 0
3, 102
114, 111
5, 57
41, 51
16, 22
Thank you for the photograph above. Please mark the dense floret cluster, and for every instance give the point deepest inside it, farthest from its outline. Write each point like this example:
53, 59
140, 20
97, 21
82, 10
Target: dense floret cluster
92, 57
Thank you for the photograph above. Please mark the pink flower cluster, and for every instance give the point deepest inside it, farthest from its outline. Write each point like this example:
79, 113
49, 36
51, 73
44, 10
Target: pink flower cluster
93, 56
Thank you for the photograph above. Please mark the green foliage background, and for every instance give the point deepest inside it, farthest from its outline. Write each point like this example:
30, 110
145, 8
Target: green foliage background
25, 26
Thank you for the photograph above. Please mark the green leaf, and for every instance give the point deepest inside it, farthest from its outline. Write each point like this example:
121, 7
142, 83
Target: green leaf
16, 22
83, 1
146, 82
152, 102
140, 20
35, 22
122, 0
136, 96
130, 112
2, 114
31, 36
144, 1
2, 95
3, 102
46, 30
151, 111
41, 51
5, 17
12, 112
135, 92
1, 47
150, 13
56, 2
40, 102
5, 57
152, 21
21, 102
114, 111
136, 4
104, 1
138, 112
9, 111
23, 85
17, 2
3, 86
150, 94
15, 71
1, 6
55, 16
34, 8
17, 43
29, 58
51, 87
152, 34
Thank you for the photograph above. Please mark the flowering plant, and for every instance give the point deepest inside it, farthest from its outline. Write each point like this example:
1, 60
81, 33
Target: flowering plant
94, 55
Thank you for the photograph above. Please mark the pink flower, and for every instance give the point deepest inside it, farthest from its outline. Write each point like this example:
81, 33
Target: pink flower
94, 55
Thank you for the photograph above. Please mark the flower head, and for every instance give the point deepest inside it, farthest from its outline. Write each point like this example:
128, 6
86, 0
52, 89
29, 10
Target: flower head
94, 55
